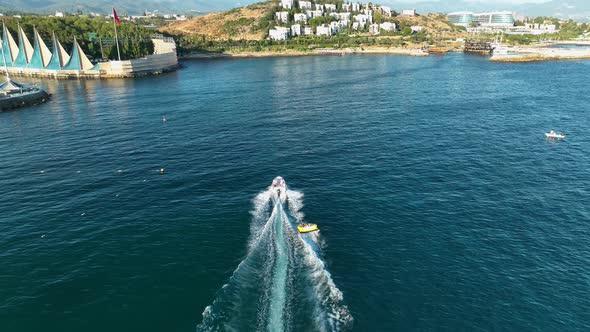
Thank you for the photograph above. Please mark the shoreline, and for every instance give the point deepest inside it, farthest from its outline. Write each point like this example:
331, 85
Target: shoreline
289, 53
541, 53
519, 53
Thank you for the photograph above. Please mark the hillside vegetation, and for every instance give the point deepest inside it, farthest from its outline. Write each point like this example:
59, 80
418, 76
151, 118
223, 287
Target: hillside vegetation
94, 34
246, 29
246, 23
253, 22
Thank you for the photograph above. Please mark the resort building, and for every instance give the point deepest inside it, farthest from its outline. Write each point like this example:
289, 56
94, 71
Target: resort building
363, 19
314, 13
282, 17
300, 17
410, 12
386, 11
499, 19
387, 26
330, 7
495, 19
279, 33
287, 4
346, 7
356, 7
537, 29
461, 18
334, 27
304, 4
295, 30
323, 30
531, 29
308, 31
374, 28
341, 16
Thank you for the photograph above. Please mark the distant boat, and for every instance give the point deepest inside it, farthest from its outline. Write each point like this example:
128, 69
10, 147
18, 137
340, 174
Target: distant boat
479, 47
499, 49
553, 134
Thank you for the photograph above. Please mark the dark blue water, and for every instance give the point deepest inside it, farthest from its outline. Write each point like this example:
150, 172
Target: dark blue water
441, 205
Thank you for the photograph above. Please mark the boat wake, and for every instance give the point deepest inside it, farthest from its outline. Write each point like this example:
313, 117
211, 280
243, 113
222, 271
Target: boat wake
282, 284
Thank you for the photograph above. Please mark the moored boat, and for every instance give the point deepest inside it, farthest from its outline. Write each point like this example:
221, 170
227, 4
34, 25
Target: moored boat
499, 49
14, 95
478, 47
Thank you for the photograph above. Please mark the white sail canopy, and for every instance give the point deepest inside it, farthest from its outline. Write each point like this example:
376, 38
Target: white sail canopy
9, 45
44, 50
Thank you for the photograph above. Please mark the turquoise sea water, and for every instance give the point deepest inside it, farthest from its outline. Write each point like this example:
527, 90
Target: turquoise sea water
441, 205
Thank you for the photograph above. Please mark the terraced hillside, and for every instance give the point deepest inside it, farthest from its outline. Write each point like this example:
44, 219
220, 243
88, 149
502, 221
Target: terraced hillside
249, 23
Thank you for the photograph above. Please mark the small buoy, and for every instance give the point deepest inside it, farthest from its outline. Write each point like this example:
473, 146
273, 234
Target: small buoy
120, 171
161, 171
78, 172
42, 236
83, 213
117, 195
42, 172
164, 119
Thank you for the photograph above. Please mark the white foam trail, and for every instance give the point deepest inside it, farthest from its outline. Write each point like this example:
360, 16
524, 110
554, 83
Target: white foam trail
263, 288
330, 298
296, 204
330, 308
279, 291
260, 216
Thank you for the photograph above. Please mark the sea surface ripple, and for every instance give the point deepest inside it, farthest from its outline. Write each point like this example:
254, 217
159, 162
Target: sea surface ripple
441, 205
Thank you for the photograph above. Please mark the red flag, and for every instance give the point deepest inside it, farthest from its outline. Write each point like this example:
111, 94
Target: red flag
115, 16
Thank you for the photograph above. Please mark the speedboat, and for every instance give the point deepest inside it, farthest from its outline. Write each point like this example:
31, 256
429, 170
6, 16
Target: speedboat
553, 134
306, 228
279, 188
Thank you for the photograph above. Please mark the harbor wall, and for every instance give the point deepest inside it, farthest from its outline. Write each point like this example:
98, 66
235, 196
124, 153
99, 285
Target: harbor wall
151, 64
163, 60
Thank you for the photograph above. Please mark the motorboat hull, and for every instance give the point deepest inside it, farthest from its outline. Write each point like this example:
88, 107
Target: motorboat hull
278, 188
558, 136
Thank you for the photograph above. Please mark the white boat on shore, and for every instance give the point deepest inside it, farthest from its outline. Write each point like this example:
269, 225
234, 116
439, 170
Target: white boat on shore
553, 134
500, 49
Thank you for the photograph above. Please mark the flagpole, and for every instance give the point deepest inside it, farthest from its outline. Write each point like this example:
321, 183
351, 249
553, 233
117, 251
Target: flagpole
116, 37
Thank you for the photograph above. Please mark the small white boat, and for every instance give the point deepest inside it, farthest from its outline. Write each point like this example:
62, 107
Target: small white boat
500, 50
553, 134
279, 188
